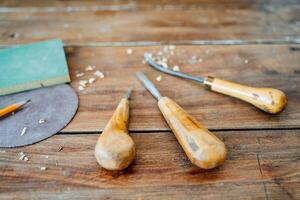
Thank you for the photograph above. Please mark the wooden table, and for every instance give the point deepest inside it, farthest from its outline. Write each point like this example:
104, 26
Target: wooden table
252, 42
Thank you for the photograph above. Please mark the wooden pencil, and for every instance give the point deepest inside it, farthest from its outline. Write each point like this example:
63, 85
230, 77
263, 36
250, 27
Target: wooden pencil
12, 108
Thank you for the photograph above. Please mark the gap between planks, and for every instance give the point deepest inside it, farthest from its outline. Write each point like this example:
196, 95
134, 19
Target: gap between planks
285, 41
130, 6
167, 131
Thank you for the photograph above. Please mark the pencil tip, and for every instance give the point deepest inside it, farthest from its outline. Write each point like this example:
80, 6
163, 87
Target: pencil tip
22, 103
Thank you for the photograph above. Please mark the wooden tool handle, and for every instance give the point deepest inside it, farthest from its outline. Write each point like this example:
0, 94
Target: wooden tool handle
202, 147
267, 99
115, 149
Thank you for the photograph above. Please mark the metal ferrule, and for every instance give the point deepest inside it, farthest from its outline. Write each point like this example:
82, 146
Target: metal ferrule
208, 82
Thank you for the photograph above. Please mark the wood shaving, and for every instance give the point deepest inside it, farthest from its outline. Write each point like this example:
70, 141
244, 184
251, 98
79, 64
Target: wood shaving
90, 68
23, 131
176, 68
99, 74
80, 88
23, 157
172, 47
43, 168
79, 74
129, 51
83, 83
91, 80
165, 65
41, 121
158, 78
60, 148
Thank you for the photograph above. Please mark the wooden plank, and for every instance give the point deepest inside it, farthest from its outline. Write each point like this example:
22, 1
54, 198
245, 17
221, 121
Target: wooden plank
161, 170
255, 23
140, 4
285, 182
268, 66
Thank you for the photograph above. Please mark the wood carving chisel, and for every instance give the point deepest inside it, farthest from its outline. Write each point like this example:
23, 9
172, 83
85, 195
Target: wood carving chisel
115, 149
201, 146
269, 100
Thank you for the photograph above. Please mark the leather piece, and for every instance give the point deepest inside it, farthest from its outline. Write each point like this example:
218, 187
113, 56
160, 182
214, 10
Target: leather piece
57, 105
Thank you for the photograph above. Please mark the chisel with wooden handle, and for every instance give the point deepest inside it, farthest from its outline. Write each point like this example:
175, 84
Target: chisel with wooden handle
202, 147
115, 149
269, 100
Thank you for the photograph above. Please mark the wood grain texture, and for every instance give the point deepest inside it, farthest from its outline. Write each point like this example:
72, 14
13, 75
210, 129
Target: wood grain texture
138, 3
275, 66
260, 164
206, 21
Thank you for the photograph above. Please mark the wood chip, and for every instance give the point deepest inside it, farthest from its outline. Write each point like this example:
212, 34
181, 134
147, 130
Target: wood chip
165, 65
23, 131
79, 74
43, 168
91, 80
158, 78
83, 83
99, 74
60, 148
172, 47
23, 156
80, 88
90, 68
176, 68
129, 51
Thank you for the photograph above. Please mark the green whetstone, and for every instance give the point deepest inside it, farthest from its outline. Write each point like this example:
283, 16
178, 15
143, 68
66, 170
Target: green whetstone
32, 66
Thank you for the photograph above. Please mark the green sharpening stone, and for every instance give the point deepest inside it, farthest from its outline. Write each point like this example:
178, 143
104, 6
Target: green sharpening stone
31, 66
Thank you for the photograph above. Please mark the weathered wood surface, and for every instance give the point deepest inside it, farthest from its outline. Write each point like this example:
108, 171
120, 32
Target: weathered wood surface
268, 66
150, 22
139, 3
260, 165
